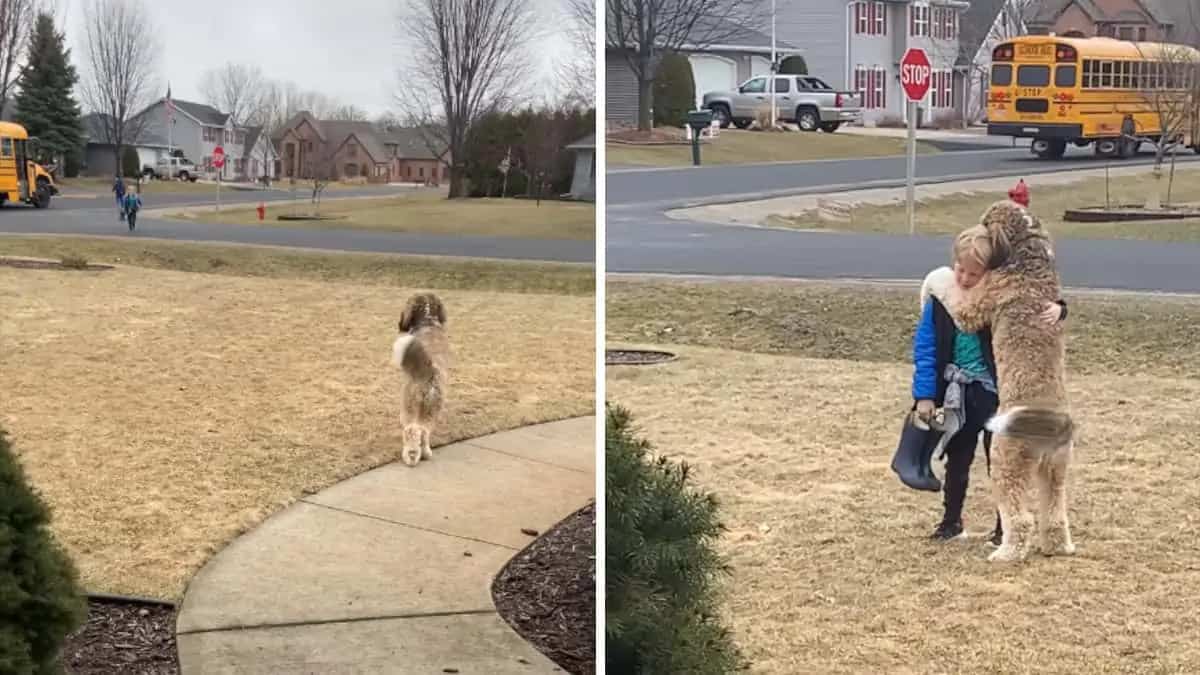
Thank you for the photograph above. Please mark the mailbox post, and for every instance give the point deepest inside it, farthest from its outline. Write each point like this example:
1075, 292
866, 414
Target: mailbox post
698, 120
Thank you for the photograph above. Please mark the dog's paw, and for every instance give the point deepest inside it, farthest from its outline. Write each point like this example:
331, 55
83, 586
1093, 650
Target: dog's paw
1064, 548
410, 458
1006, 553
426, 453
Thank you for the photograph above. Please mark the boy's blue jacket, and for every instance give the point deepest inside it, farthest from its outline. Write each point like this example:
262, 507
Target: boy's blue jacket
933, 343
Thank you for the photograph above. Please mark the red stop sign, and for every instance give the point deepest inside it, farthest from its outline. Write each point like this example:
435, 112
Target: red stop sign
219, 155
916, 74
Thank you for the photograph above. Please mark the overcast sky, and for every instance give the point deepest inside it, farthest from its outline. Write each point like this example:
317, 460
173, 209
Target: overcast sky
346, 49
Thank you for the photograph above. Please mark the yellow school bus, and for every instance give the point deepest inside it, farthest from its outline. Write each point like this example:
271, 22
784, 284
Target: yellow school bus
1092, 91
21, 178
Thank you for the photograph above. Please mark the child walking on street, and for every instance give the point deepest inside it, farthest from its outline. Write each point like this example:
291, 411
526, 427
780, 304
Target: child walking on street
118, 189
132, 204
954, 387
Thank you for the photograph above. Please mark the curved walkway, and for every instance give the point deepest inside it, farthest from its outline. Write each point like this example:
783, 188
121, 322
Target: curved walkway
391, 571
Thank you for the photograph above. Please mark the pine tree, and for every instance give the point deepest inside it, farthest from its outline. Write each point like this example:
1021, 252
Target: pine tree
661, 564
46, 106
40, 603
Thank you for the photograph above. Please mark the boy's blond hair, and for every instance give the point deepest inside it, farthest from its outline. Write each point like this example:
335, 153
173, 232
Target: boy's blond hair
973, 243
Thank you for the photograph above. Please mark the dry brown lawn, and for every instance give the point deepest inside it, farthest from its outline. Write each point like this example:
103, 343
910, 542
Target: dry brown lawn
831, 572
946, 215
734, 146
161, 413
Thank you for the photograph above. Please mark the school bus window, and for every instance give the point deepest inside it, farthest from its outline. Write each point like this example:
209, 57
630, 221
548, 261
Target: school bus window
1126, 75
1033, 76
1106, 74
1089, 74
1064, 76
6, 147
1001, 75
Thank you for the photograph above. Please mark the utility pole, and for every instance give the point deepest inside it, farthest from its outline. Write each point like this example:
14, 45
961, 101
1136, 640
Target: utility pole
774, 66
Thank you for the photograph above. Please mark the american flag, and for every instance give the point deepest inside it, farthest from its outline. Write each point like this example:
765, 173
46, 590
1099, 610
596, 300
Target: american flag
170, 104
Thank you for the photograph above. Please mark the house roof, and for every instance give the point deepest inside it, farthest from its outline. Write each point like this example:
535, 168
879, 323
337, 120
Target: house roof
252, 135
93, 132
410, 143
1048, 12
206, 114
586, 143
717, 34
337, 132
975, 25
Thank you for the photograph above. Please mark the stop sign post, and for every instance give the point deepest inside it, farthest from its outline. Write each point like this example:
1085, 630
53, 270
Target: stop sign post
916, 74
218, 160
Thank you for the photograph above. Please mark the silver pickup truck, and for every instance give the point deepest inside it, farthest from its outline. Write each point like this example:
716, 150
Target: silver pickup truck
803, 99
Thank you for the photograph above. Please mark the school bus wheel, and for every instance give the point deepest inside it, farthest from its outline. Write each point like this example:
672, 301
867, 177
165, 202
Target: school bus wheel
1049, 148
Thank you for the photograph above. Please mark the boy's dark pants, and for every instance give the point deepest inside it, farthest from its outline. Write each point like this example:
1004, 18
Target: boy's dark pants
980, 404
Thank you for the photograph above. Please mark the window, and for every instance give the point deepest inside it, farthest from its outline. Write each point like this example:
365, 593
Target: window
1001, 75
1141, 34
421, 172
783, 85
6, 147
756, 86
880, 87
918, 20
870, 18
942, 89
1064, 77
871, 85
1106, 75
1125, 32
1033, 76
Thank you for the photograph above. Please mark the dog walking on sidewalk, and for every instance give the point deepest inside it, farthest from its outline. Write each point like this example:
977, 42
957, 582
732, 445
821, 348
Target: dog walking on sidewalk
422, 353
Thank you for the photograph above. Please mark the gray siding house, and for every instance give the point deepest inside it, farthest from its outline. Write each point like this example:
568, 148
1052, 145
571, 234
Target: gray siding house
98, 156
857, 46
742, 54
197, 130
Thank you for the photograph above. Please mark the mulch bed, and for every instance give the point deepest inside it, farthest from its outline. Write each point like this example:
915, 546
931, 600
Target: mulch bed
547, 593
24, 263
657, 136
635, 357
123, 637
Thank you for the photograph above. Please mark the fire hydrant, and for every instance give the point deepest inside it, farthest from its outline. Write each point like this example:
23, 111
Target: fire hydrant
262, 210
1020, 193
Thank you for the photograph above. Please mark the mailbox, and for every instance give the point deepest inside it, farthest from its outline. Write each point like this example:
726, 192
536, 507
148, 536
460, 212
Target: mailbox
699, 120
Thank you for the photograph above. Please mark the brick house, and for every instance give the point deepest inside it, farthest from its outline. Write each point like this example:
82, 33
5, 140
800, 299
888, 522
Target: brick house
348, 150
1141, 20
412, 159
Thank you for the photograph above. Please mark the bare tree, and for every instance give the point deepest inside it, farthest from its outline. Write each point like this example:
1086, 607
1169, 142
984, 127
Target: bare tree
979, 34
1169, 81
577, 72
348, 113
16, 25
641, 30
469, 60
121, 58
234, 88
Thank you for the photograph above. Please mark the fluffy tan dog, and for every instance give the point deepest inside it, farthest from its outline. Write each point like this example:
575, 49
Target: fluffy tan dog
422, 353
1033, 428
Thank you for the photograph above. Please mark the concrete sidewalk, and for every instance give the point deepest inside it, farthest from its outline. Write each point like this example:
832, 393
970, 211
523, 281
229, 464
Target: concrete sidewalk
391, 571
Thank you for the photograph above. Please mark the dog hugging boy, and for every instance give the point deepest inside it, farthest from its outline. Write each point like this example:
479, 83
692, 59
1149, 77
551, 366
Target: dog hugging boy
954, 387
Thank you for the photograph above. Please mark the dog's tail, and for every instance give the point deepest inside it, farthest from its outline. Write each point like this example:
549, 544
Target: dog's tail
409, 355
1045, 426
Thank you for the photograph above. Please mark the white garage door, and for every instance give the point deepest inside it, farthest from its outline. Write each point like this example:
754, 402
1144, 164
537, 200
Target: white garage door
759, 65
712, 73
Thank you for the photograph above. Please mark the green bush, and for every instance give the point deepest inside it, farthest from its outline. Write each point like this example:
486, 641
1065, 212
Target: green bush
71, 164
40, 603
793, 65
130, 166
660, 563
674, 91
